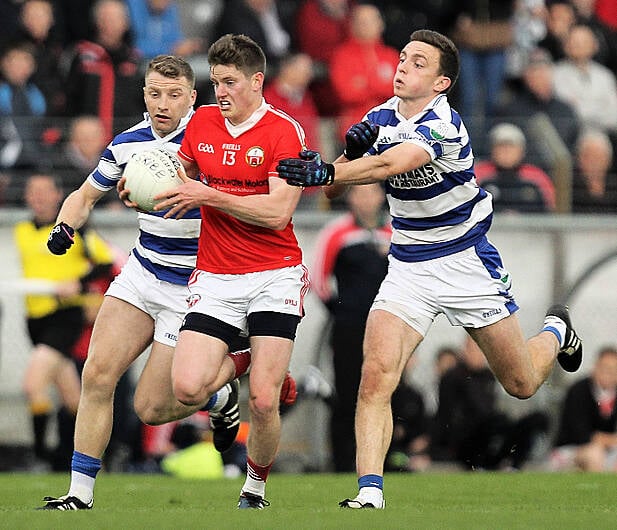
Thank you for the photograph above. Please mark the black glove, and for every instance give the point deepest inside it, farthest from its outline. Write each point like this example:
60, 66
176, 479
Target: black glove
359, 138
60, 238
308, 170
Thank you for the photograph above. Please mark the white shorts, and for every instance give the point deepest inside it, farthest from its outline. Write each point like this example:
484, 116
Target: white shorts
471, 287
232, 297
165, 302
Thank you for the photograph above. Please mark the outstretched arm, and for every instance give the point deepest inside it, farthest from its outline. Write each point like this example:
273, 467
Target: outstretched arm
311, 170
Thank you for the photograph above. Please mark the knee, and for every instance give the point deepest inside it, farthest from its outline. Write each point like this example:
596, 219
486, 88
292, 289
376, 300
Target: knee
520, 388
262, 406
187, 393
96, 377
377, 379
146, 410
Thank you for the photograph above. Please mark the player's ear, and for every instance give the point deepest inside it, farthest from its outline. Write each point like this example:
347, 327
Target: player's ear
257, 80
442, 83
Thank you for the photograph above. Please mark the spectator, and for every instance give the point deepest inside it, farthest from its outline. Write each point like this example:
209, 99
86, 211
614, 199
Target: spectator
528, 28
38, 27
537, 97
587, 434
329, 27
289, 92
259, 20
9, 14
469, 427
77, 20
588, 86
403, 17
80, 153
594, 183
606, 36
350, 263
446, 357
515, 185
483, 33
104, 77
22, 113
559, 20
408, 449
55, 318
362, 67
606, 11
158, 31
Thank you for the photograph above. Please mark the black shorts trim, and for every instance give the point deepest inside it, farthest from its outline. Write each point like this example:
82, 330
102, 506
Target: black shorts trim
211, 326
272, 324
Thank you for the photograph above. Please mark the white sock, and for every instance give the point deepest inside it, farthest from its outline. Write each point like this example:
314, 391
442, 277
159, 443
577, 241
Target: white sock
82, 487
557, 326
254, 486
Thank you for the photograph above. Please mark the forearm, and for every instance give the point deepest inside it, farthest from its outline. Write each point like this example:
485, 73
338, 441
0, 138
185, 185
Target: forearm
76, 208
268, 211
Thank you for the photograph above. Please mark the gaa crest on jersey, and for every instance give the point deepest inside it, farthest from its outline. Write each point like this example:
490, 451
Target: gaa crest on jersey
255, 156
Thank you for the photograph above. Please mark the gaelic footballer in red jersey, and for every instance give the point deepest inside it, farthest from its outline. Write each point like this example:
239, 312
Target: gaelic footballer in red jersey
250, 278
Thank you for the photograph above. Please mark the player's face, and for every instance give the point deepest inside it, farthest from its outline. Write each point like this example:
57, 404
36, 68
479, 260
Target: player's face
237, 95
167, 101
417, 75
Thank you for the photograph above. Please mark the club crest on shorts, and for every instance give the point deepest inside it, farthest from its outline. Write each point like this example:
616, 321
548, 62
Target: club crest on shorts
192, 299
255, 156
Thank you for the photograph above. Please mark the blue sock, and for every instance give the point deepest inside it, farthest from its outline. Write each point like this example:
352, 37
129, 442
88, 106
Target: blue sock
370, 481
84, 464
211, 402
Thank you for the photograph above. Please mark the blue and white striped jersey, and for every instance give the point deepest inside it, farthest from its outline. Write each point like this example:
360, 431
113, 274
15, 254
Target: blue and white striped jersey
165, 247
437, 209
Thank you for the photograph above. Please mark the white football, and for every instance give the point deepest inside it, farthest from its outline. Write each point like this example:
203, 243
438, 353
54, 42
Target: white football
148, 173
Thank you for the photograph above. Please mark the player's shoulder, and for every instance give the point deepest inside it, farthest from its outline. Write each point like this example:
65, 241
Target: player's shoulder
141, 131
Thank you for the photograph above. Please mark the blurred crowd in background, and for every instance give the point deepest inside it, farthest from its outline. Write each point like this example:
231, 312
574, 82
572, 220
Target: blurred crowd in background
71, 76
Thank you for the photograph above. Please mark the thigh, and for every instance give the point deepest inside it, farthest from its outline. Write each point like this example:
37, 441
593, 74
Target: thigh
164, 302
121, 333
389, 342
503, 345
155, 379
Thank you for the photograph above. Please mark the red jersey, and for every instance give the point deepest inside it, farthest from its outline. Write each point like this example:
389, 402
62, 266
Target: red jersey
240, 164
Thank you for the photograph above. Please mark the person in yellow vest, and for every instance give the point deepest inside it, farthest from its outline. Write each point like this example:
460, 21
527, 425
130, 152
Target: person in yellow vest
53, 303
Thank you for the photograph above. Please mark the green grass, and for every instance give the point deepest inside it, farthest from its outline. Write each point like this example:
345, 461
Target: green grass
431, 500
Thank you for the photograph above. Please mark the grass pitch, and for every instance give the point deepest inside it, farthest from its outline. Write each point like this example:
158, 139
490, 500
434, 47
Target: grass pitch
414, 501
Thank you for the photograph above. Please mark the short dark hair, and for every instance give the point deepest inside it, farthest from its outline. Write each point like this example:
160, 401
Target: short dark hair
449, 61
173, 67
240, 51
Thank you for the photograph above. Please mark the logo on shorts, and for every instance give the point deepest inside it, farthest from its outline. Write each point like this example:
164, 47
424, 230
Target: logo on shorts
193, 299
172, 336
255, 156
491, 312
